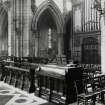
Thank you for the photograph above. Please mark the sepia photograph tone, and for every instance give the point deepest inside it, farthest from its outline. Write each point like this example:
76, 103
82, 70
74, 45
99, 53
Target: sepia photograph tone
52, 52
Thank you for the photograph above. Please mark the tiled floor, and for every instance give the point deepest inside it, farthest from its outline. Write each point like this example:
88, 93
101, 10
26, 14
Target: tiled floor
13, 96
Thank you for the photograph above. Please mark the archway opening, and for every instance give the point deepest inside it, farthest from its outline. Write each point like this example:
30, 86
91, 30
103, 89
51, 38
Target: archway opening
47, 39
90, 51
3, 32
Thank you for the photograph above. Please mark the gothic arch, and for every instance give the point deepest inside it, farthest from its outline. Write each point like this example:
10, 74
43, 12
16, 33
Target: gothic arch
56, 13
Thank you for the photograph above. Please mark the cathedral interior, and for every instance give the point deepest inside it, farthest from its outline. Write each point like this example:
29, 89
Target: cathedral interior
52, 52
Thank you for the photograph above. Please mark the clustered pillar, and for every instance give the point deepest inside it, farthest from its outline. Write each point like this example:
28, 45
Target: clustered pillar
103, 38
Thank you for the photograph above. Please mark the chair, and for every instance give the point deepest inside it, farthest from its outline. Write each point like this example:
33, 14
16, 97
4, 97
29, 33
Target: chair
88, 96
102, 89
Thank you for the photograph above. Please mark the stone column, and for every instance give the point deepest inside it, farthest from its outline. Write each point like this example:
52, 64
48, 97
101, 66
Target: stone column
17, 46
103, 37
27, 16
17, 29
60, 43
9, 32
36, 44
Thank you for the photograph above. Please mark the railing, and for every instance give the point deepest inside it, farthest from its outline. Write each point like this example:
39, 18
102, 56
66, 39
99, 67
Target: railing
19, 77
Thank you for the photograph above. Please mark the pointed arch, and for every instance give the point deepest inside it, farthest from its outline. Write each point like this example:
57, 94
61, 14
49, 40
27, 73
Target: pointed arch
56, 13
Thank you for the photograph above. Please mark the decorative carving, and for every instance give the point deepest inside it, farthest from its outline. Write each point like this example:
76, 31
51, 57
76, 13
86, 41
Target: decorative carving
33, 6
6, 5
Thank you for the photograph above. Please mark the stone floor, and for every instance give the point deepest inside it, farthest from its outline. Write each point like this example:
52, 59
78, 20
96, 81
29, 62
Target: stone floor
14, 96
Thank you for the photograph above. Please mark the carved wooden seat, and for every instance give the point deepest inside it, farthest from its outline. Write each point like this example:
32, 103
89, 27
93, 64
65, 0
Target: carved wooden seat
44, 89
8, 76
102, 82
89, 94
26, 82
19, 82
13, 78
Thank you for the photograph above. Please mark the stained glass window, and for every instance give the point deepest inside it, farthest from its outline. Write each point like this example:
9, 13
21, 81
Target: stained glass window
49, 38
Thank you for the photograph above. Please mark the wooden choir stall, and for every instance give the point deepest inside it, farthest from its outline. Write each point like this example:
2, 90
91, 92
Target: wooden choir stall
57, 83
